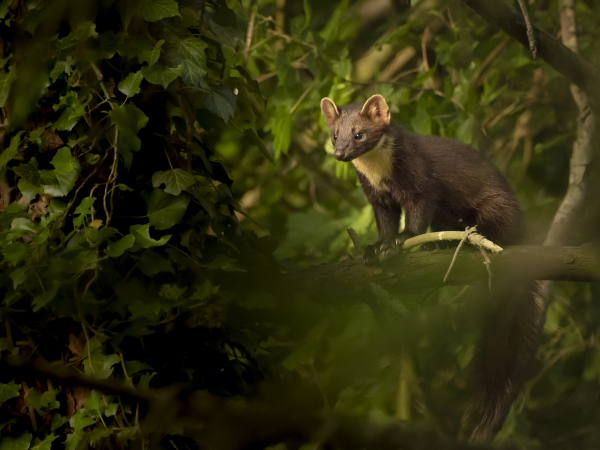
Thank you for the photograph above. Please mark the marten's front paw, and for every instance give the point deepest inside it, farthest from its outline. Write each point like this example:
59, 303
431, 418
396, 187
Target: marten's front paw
389, 248
370, 254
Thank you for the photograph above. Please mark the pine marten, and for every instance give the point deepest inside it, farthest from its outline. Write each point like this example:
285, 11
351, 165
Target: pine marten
446, 185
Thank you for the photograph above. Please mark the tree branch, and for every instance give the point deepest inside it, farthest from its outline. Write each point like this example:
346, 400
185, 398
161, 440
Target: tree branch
417, 271
572, 66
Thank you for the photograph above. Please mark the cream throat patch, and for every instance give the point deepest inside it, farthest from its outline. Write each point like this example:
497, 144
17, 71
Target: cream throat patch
376, 164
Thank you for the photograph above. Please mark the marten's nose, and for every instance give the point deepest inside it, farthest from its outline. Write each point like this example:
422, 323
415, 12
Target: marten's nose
339, 154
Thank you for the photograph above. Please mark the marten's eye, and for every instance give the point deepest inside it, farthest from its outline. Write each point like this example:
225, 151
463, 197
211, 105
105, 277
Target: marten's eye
335, 137
358, 136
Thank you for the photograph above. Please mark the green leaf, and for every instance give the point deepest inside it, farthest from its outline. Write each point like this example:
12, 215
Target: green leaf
63, 160
253, 137
4, 4
131, 84
97, 434
47, 296
162, 75
73, 439
151, 263
116, 249
15, 252
142, 309
57, 183
6, 80
464, 132
220, 100
57, 421
18, 276
130, 120
102, 365
421, 122
42, 402
164, 210
282, 131
329, 33
142, 48
93, 401
46, 444
111, 410
84, 209
189, 52
143, 239
9, 390
12, 150
154, 10
22, 442
175, 180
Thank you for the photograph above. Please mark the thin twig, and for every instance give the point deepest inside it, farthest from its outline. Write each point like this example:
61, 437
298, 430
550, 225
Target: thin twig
249, 32
488, 265
462, 241
530, 32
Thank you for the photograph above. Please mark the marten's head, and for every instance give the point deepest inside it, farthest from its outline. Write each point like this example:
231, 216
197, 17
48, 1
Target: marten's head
356, 129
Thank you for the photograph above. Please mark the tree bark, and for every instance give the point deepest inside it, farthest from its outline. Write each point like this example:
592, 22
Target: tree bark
351, 280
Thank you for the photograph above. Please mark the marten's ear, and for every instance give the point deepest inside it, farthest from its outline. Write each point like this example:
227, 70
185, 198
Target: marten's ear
330, 111
377, 110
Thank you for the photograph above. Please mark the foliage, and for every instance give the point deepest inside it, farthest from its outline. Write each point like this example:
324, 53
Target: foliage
153, 158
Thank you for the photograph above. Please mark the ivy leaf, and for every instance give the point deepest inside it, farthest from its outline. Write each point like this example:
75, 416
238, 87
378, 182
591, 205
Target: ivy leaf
141, 48
189, 52
63, 160
103, 366
47, 296
151, 263
73, 439
220, 100
9, 390
98, 433
42, 402
57, 183
93, 401
253, 137
12, 150
131, 84
22, 442
158, 74
79, 421
84, 209
6, 80
164, 210
111, 410
130, 120
4, 4
154, 10
46, 444
143, 239
175, 180
116, 249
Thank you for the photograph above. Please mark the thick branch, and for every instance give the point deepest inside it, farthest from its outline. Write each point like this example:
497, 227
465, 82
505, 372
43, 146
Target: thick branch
572, 66
424, 270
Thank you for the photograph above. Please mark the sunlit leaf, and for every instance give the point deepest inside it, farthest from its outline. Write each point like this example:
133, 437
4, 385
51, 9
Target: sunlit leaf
143, 239
131, 84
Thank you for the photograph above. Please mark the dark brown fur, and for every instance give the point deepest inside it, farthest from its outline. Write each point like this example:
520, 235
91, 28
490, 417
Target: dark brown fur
446, 185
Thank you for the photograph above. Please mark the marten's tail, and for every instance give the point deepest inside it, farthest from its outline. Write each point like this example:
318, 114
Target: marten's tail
508, 344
